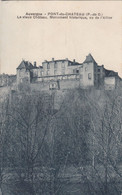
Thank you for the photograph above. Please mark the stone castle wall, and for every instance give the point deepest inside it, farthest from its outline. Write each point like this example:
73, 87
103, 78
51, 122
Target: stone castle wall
58, 85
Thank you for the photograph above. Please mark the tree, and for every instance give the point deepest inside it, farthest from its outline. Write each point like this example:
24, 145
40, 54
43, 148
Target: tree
106, 127
85, 133
28, 118
4, 135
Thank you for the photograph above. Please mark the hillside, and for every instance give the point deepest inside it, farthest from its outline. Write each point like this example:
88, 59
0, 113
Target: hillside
64, 135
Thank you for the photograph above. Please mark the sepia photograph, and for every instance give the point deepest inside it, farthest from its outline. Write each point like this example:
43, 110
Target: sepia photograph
60, 98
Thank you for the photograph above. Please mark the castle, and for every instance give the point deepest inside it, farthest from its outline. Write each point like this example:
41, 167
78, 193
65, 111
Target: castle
66, 74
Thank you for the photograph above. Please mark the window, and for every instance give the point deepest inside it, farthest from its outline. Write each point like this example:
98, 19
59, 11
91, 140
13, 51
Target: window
48, 66
98, 70
48, 72
77, 71
63, 65
89, 76
55, 72
55, 65
85, 68
52, 86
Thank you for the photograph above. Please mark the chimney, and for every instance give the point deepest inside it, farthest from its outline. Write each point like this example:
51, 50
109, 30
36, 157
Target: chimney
66, 58
34, 64
52, 59
74, 61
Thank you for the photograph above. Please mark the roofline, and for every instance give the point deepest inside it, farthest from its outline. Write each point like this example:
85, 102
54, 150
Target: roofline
110, 70
56, 60
59, 61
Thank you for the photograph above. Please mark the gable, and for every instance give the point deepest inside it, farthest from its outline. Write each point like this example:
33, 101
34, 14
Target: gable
25, 65
89, 59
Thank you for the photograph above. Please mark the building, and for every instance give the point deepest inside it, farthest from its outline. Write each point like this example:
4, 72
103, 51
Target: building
66, 74
7, 80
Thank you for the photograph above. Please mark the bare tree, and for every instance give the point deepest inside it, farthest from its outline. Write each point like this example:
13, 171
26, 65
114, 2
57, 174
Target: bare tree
106, 140
84, 133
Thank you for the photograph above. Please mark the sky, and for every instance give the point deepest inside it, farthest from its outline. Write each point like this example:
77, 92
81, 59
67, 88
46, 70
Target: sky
44, 39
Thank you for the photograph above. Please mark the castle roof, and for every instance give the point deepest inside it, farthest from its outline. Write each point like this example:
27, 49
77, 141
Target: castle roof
109, 73
74, 63
89, 58
25, 65
71, 63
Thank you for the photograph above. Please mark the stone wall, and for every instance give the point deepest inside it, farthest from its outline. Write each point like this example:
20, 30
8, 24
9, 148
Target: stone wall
58, 85
69, 84
40, 86
57, 77
59, 67
23, 76
87, 72
109, 83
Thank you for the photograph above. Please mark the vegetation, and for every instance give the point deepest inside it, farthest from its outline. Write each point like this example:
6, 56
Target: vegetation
40, 146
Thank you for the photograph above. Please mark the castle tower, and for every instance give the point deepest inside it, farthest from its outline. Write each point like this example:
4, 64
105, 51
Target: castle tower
88, 72
24, 72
